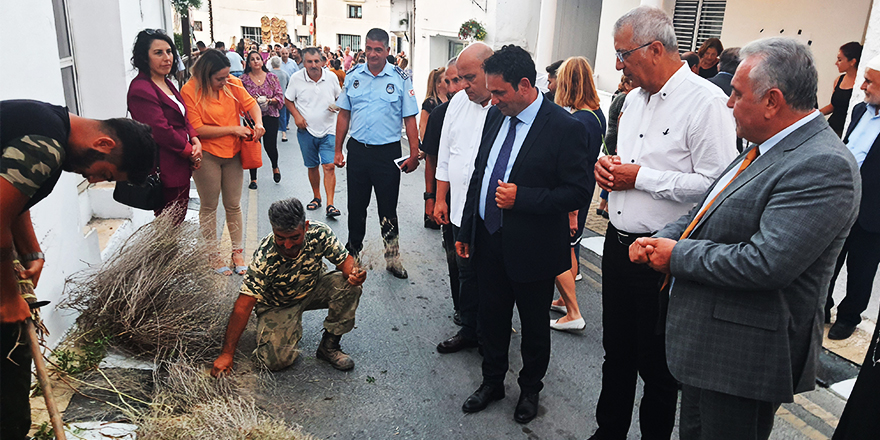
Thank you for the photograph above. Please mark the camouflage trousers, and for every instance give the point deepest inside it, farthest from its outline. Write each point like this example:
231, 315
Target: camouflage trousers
279, 329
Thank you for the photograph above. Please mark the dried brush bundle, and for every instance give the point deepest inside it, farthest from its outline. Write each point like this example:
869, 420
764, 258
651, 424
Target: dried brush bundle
157, 298
190, 405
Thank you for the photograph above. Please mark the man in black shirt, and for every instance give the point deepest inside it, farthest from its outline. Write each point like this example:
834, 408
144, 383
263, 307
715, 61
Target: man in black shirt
40, 141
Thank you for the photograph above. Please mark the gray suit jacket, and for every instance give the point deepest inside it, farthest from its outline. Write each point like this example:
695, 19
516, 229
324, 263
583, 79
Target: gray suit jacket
746, 309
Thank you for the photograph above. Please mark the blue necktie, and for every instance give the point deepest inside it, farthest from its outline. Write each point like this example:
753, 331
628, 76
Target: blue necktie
492, 218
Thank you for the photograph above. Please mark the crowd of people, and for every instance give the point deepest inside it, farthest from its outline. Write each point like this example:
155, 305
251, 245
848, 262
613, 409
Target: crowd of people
732, 206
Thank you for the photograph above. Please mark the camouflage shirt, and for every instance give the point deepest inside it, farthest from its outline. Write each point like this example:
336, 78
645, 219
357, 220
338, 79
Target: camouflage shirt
30, 161
277, 281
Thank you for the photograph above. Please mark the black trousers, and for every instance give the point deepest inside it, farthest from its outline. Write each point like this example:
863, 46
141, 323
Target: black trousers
710, 415
448, 234
861, 417
633, 347
270, 142
15, 382
372, 167
498, 295
861, 251
469, 292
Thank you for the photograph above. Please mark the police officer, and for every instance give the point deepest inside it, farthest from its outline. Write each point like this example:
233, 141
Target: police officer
375, 97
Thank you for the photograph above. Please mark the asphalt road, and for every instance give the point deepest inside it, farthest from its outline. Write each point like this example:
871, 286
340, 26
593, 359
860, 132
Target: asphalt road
401, 387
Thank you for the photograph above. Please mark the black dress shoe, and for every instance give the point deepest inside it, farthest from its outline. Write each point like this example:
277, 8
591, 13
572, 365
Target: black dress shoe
482, 397
526, 408
456, 318
456, 344
840, 331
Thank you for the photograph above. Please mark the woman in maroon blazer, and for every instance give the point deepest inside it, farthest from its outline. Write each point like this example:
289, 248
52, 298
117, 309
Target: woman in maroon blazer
153, 100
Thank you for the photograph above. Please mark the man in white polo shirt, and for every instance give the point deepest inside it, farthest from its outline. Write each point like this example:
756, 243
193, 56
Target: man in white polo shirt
311, 99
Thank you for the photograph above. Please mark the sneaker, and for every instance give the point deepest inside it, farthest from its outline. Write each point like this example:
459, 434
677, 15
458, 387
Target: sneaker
578, 277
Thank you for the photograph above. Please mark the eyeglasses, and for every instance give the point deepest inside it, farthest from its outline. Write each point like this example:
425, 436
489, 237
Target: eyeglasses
621, 56
154, 31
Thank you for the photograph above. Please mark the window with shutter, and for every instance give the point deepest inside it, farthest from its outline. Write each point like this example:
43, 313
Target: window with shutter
695, 21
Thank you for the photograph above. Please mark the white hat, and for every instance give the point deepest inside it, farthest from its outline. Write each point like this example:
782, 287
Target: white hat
874, 63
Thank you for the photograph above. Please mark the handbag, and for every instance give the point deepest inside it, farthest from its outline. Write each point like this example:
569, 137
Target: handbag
148, 196
251, 149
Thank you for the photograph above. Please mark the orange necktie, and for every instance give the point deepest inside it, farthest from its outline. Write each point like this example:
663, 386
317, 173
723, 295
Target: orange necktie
753, 153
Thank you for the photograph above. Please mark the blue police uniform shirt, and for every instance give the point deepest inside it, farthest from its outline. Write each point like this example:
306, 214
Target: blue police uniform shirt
378, 103
526, 118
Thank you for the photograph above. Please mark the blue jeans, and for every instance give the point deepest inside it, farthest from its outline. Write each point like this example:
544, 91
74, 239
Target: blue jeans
283, 118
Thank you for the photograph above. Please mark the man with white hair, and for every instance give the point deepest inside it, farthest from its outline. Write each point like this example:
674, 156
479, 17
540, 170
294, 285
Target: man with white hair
862, 249
675, 137
275, 64
748, 268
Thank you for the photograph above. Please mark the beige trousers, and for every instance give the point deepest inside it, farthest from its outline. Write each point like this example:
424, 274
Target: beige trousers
220, 176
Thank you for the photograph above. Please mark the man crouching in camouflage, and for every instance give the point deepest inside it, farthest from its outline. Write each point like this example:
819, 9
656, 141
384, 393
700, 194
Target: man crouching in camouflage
287, 277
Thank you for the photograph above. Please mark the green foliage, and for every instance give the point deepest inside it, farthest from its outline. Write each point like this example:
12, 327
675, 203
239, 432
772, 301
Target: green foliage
371, 379
472, 29
89, 356
45, 432
182, 6
178, 42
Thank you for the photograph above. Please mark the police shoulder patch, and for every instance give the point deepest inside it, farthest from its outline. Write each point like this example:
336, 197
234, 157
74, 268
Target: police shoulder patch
401, 72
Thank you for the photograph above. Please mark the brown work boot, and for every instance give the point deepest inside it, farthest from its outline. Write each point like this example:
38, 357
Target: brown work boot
330, 351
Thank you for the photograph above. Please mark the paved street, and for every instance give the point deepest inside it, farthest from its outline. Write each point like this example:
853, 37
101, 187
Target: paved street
401, 387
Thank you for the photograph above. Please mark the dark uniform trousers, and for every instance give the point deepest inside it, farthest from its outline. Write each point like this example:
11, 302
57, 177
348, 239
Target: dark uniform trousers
372, 166
498, 294
633, 347
15, 382
861, 251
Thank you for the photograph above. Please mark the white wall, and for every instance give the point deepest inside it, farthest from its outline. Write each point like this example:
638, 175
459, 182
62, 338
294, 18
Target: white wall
231, 15
607, 77
827, 26
577, 29
333, 20
60, 234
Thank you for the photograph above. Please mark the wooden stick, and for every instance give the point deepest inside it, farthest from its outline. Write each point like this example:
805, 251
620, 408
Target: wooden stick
43, 376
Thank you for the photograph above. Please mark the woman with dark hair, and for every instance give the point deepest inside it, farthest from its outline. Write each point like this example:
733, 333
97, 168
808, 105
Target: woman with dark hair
848, 64
709, 52
153, 100
215, 100
576, 90
436, 95
266, 89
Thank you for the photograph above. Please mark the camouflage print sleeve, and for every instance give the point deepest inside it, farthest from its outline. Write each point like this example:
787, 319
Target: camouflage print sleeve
255, 279
28, 161
331, 248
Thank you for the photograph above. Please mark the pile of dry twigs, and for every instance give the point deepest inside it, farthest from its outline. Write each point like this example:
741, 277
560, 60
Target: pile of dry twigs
158, 299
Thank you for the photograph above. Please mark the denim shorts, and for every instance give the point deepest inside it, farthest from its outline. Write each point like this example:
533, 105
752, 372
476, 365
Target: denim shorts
316, 151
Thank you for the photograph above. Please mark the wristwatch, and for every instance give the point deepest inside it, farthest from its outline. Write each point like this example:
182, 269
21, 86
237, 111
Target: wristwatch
33, 256
429, 195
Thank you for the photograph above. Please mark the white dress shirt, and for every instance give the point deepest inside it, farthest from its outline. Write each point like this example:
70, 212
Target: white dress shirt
864, 134
682, 137
313, 100
459, 143
526, 118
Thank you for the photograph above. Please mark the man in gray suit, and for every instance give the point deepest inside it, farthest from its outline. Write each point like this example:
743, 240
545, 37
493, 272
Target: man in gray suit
750, 265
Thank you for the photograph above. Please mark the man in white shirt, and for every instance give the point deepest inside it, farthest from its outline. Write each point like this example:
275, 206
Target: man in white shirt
236, 63
311, 99
459, 143
675, 137
287, 63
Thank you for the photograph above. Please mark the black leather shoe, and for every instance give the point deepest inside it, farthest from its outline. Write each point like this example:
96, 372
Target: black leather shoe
482, 397
456, 344
456, 318
526, 408
840, 331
